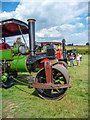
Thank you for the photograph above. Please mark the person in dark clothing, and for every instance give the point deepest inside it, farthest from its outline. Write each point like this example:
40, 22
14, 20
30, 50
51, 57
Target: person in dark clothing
71, 60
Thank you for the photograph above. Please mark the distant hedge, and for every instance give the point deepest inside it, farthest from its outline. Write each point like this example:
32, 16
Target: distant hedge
80, 49
83, 51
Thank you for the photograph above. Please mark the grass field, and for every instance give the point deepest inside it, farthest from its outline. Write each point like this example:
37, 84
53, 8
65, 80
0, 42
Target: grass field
80, 49
21, 102
85, 47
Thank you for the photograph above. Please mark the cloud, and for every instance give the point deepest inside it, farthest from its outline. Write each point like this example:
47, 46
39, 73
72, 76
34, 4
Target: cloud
79, 38
58, 31
78, 18
6, 15
10, 0
56, 1
51, 32
67, 31
49, 12
54, 20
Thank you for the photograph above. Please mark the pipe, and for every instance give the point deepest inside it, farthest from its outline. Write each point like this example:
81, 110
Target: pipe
64, 50
31, 25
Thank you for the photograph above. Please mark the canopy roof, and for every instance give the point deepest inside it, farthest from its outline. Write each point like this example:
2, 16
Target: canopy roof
12, 27
55, 43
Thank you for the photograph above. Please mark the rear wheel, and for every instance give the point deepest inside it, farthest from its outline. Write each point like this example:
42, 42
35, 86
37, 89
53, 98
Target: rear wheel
60, 76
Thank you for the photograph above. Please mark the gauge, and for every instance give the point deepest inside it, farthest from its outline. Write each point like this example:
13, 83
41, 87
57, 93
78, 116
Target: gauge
22, 49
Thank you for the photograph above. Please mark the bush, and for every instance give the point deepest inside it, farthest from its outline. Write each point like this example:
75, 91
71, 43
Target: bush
80, 49
83, 51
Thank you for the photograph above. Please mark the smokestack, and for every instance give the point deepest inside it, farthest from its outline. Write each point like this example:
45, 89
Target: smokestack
64, 50
31, 25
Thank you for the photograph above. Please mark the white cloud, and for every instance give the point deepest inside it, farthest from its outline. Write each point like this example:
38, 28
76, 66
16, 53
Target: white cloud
10, 0
54, 19
51, 32
57, 1
80, 25
54, 12
79, 38
87, 18
68, 31
78, 18
6, 15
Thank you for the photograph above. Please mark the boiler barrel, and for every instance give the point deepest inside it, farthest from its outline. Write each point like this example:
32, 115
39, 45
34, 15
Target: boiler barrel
19, 64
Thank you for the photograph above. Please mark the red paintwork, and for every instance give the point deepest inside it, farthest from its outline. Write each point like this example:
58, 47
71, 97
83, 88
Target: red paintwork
49, 85
55, 43
46, 43
44, 60
40, 66
61, 64
48, 71
10, 27
41, 63
2, 46
28, 54
1, 71
59, 54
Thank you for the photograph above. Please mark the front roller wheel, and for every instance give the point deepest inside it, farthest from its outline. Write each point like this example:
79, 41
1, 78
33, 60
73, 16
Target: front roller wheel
63, 63
60, 76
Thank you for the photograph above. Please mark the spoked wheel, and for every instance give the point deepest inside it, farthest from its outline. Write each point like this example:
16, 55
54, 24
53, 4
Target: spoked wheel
60, 76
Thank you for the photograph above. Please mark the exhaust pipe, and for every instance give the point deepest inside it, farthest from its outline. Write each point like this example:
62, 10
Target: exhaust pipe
64, 50
31, 25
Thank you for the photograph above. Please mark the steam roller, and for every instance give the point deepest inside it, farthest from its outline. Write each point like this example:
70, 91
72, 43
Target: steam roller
51, 81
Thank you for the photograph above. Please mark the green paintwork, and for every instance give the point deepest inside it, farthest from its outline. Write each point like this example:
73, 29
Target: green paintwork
15, 50
6, 54
4, 77
19, 64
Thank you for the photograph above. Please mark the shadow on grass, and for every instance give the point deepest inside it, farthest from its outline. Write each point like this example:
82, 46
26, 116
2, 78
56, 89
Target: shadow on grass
34, 93
72, 66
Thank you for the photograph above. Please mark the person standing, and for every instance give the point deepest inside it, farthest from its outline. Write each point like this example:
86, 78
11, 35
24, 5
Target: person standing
71, 60
80, 57
78, 60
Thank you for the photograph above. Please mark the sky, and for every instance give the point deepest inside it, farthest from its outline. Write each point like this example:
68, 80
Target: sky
55, 20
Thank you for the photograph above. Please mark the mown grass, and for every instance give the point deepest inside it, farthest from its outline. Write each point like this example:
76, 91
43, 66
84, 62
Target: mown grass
21, 102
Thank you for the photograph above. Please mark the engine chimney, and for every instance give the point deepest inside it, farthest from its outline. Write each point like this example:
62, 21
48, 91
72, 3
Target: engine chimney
31, 25
64, 50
